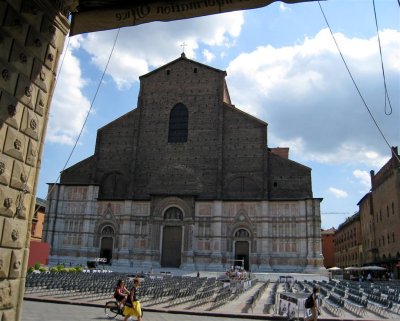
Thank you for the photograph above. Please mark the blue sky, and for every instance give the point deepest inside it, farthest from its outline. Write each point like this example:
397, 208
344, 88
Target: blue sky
282, 67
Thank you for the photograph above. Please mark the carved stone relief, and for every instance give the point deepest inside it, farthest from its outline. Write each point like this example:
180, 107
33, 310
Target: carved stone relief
21, 60
30, 124
50, 60
40, 103
15, 26
8, 77
36, 44
42, 76
5, 169
14, 233
5, 259
22, 177
5, 295
32, 153
16, 265
10, 111
32, 14
15, 144
8, 199
26, 91
22, 205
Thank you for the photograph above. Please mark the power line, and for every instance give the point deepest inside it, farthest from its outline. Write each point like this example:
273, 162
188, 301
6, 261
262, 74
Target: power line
355, 85
383, 69
88, 113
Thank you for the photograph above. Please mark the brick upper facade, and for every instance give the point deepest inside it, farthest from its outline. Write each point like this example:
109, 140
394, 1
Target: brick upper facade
225, 156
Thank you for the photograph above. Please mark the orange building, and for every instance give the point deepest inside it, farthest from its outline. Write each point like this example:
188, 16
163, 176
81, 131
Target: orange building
348, 242
380, 218
328, 250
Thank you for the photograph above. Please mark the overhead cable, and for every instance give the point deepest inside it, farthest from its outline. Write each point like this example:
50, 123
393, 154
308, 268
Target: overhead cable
390, 110
88, 113
355, 85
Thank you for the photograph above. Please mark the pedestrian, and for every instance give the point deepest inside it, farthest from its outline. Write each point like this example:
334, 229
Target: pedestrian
315, 311
133, 307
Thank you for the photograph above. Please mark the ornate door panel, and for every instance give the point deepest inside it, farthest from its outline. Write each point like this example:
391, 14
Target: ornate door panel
171, 246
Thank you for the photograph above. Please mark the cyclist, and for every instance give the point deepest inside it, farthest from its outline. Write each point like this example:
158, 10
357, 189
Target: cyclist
121, 293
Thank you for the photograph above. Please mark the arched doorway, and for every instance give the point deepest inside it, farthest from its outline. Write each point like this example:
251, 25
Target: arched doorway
172, 238
107, 243
242, 248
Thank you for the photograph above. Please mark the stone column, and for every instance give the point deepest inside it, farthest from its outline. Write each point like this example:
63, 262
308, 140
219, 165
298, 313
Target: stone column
32, 35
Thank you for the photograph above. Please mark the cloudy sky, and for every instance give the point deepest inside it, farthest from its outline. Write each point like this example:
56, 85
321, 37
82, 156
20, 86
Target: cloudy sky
283, 67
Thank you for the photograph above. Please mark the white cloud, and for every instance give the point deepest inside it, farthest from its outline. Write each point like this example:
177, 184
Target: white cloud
363, 176
306, 96
338, 193
208, 55
69, 105
151, 45
283, 7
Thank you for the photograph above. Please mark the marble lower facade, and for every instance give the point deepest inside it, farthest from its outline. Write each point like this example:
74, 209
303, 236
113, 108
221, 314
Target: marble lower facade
184, 233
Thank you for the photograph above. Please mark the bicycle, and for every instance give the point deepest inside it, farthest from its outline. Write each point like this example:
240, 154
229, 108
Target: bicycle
112, 309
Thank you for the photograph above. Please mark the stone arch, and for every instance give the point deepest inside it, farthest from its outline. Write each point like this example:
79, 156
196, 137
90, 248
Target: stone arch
173, 213
113, 185
100, 227
163, 205
243, 186
242, 233
242, 221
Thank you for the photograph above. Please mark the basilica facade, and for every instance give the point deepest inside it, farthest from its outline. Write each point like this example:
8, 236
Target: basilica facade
186, 180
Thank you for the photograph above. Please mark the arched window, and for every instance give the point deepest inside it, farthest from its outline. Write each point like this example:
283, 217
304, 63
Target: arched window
178, 124
173, 213
242, 233
107, 230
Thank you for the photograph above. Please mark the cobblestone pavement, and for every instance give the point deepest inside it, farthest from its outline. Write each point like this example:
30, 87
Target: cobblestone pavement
40, 311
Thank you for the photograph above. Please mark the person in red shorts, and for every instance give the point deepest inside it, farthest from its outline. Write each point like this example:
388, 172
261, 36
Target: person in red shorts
121, 293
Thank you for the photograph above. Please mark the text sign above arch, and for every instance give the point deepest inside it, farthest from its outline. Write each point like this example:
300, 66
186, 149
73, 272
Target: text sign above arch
94, 15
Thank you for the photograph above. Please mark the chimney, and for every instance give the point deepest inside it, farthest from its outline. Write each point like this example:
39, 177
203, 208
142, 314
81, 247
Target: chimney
372, 174
281, 151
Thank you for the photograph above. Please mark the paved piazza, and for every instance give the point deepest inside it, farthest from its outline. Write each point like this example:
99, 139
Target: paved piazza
49, 305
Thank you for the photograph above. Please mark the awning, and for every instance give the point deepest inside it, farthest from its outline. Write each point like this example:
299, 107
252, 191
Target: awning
95, 15
373, 268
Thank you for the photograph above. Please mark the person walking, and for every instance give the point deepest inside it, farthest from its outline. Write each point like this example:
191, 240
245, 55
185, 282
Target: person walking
133, 307
315, 312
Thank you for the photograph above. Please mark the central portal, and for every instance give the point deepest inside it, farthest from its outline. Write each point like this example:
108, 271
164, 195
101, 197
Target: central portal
171, 246
242, 253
